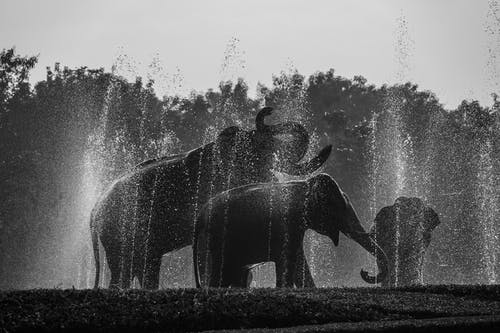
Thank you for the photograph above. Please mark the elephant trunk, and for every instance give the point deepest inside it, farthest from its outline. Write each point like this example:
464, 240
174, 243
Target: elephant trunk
294, 150
291, 152
369, 244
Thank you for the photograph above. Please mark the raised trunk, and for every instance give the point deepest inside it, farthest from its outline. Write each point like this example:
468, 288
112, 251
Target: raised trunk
291, 150
304, 169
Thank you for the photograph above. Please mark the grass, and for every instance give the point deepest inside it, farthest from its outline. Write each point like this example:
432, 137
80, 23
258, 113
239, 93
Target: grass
198, 310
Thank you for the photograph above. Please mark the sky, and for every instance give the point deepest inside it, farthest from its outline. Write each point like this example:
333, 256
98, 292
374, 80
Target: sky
446, 46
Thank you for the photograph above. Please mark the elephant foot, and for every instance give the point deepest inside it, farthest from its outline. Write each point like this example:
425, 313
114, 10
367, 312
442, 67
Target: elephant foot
152, 275
246, 278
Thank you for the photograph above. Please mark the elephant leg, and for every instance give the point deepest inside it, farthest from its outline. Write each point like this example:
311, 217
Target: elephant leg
247, 277
280, 272
126, 280
231, 276
303, 277
420, 268
112, 251
114, 270
390, 281
284, 273
151, 276
215, 277
120, 277
241, 278
212, 261
126, 274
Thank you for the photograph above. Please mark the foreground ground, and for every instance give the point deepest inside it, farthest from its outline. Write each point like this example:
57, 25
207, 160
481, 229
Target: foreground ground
433, 308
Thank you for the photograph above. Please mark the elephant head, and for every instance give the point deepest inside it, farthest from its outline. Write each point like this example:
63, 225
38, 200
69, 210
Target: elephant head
416, 212
330, 212
252, 155
404, 230
407, 208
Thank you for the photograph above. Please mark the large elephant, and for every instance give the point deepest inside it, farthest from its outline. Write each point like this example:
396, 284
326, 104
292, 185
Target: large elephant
258, 223
151, 210
403, 231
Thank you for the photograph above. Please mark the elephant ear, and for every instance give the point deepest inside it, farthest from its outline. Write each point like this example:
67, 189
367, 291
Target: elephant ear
344, 203
384, 222
327, 199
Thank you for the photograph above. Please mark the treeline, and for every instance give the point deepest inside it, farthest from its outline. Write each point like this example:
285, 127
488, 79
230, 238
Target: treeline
388, 140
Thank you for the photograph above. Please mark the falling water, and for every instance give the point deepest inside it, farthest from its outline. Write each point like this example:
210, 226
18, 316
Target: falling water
492, 30
234, 64
391, 168
88, 197
216, 161
400, 174
196, 208
134, 232
488, 173
92, 182
375, 165
395, 104
374, 177
269, 228
389, 160
101, 166
148, 230
284, 208
291, 107
390, 145
487, 197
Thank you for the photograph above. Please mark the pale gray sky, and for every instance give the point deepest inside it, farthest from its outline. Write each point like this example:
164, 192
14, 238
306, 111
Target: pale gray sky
445, 40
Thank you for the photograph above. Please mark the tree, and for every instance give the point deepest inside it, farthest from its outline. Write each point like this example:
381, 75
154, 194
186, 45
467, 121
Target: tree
14, 71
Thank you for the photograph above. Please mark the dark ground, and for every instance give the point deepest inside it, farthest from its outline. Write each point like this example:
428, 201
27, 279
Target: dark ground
416, 309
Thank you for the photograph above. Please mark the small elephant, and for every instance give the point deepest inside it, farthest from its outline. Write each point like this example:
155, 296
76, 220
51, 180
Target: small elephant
403, 230
258, 223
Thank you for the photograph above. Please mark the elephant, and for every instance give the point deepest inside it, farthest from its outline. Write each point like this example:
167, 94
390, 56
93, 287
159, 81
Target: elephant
403, 230
150, 210
245, 226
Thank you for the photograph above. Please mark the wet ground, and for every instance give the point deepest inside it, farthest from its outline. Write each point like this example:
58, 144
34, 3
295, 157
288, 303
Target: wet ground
433, 308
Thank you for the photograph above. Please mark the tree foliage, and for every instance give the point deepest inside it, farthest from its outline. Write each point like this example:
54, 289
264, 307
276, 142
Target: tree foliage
46, 132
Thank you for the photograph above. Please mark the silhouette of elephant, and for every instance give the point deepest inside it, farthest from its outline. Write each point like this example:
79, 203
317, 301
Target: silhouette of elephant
403, 231
258, 223
151, 210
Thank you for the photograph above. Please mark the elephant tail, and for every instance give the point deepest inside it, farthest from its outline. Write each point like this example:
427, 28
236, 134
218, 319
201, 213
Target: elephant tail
200, 231
95, 245
195, 255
